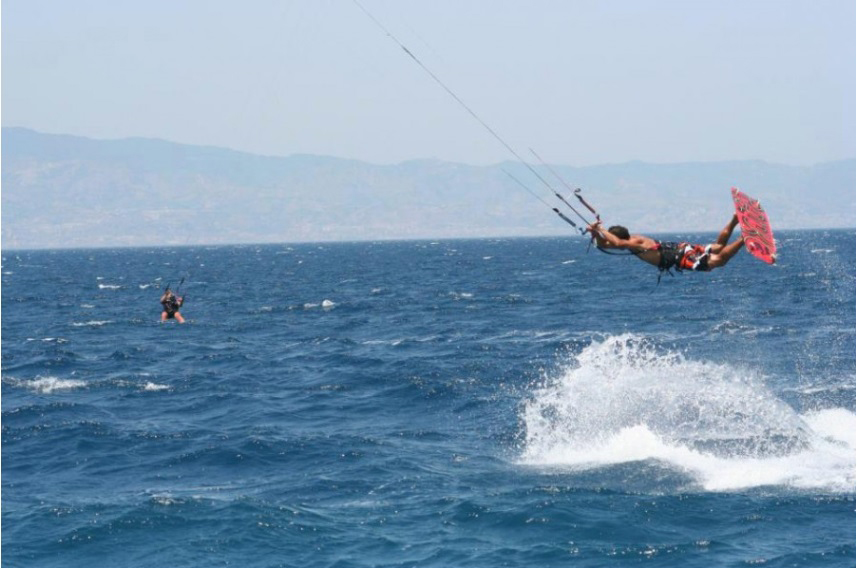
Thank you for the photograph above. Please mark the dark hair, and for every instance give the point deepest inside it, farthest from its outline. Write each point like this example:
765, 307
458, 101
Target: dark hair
619, 231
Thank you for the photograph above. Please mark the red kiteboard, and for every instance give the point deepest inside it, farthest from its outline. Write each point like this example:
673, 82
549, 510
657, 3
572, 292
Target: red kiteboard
755, 226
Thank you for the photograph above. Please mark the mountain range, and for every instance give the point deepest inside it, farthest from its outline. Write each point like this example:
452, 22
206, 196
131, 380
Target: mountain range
68, 191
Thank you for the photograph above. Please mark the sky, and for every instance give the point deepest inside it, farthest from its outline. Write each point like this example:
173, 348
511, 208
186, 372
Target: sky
582, 82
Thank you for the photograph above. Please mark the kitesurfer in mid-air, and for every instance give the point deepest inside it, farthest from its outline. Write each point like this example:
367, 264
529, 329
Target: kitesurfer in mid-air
171, 304
666, 255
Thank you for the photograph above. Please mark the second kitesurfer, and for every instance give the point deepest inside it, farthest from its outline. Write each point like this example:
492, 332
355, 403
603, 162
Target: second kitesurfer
171, 304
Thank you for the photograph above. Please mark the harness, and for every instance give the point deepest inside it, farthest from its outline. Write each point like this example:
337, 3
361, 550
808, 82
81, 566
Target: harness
171, 306
681, 257
678, 256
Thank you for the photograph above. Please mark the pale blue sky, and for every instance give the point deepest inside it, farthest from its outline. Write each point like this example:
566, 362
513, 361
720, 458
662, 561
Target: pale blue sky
583, 82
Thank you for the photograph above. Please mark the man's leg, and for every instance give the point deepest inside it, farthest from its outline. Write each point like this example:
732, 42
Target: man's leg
726, 253
724, 236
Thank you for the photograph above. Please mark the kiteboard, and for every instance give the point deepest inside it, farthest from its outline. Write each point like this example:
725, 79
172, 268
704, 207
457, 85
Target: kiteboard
755, 227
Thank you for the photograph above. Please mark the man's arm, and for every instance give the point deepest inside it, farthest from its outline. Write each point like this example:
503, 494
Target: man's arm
599, 234
607, 240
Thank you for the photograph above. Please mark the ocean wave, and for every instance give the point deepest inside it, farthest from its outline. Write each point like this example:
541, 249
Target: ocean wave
624, 400
49, 340
325, 304
846, 384
731, 327
109, 286
92, 323
531, 336
460, 295
398, 341
46, 385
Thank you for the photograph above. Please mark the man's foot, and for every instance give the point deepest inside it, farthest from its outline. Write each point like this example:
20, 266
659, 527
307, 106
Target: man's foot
734, 221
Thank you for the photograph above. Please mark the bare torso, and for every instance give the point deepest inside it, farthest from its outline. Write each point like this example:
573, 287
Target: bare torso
646, 249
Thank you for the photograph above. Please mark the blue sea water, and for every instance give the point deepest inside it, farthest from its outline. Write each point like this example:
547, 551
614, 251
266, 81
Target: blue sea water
495, 402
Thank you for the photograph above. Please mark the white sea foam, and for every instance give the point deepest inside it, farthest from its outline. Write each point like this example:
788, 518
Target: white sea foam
398, 341
91, 323
730, 327
460, 295
109, 286
48, 385
325, 304
49, 340
155, 387
622, 400
165, 500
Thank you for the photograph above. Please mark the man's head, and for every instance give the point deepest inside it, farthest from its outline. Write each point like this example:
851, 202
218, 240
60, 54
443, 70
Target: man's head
619, 231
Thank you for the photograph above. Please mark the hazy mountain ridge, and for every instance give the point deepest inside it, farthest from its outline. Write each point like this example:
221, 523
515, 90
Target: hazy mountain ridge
67, 191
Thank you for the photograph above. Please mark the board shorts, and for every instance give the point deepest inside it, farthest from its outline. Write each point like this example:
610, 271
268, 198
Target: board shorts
684, 256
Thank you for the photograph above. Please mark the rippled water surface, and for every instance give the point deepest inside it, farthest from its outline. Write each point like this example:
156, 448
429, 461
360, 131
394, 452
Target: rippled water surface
505, 402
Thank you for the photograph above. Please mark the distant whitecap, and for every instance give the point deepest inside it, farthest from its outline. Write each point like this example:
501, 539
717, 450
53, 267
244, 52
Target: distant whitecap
50, 384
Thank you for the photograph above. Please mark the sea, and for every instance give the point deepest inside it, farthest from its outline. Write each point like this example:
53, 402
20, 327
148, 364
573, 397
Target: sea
525, 402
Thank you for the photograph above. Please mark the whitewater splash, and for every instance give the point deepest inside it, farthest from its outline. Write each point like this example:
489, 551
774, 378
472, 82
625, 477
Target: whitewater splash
624, 400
